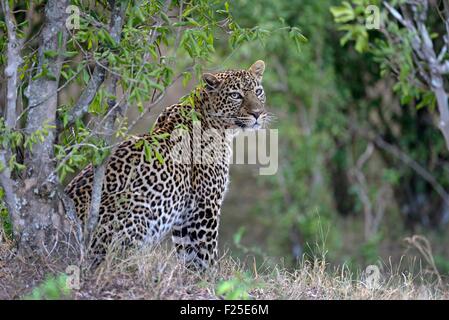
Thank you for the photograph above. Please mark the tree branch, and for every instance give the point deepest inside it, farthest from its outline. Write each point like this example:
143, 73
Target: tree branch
359, 177
88, 95
424, 53
82, 105
14, 60
379, 142
116, 25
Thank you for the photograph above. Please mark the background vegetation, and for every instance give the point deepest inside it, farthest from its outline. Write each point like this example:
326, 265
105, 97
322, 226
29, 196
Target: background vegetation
362, 160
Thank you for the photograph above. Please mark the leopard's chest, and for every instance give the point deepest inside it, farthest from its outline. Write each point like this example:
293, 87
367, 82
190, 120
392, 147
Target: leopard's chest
172, 191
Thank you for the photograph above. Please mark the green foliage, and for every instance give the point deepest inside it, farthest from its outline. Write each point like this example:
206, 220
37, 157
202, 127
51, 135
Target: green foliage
151, 148
144, 71
442, 264
143, 67
392, 56
352, 19
5, 221
411, 130
16, 139
369, 250
236, 288
299, 86
78, 149
320, 96
37, 136
52, 288
3, 42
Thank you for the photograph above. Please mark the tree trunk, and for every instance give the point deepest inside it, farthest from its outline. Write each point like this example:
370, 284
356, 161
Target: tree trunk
41, 220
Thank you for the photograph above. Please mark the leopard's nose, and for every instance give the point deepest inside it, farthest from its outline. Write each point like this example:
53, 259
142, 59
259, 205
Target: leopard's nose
256, 114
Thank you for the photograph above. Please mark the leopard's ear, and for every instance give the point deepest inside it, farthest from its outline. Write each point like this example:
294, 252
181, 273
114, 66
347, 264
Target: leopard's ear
257, 69
211, 81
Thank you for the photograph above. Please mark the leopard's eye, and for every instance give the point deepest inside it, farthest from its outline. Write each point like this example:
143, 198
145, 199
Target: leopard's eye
236, 95
259, 91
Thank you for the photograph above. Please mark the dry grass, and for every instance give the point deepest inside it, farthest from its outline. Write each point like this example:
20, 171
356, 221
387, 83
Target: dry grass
156, 274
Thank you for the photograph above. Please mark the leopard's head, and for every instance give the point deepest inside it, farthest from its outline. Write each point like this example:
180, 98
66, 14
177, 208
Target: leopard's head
237, 98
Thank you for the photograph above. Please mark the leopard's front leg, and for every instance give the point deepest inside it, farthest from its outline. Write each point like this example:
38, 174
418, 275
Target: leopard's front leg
197, 238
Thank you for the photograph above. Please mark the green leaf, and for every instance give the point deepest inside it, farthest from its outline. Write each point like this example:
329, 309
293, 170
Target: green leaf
189, 11
139, 14
238, 235
165, 18
147, 151
224, 287
50, 54
344, 13
107, 38
159, 156
162, 136
60, 39
156, 85
361, 43
186, 77
139, 144
226, 6
70, 54
428, 100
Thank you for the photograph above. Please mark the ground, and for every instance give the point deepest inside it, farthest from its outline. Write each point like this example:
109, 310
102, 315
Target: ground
155, 274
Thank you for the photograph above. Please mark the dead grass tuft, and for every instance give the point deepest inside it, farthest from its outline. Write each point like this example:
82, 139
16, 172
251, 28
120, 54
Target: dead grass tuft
156, 274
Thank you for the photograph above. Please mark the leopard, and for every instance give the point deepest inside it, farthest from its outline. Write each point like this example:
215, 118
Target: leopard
175, 188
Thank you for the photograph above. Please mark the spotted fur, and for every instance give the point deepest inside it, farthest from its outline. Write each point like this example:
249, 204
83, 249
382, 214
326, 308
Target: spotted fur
145, 199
